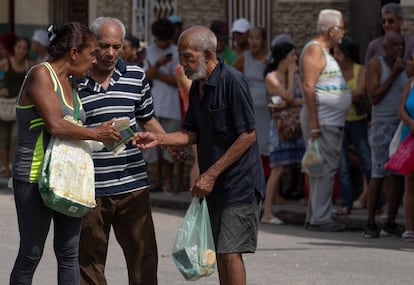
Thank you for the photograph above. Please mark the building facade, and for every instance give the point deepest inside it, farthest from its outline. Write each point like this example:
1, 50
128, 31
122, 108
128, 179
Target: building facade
295, 17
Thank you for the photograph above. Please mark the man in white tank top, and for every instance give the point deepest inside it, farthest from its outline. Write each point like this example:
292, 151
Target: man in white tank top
327, 101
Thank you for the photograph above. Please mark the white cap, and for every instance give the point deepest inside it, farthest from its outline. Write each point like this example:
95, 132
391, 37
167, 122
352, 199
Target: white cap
241, 25
41, 37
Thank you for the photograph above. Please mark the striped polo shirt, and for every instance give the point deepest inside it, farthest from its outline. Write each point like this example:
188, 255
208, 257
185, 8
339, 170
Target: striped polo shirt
128, 95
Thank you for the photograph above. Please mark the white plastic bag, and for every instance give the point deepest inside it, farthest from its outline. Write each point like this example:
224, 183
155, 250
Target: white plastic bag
395, 142
312, 161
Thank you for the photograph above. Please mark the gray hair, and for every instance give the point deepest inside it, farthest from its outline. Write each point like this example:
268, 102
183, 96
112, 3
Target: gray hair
393, 8
328, 18
100, 21
201, 39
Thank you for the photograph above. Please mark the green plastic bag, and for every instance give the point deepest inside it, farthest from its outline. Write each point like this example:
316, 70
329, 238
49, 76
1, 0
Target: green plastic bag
194, 252
67, 182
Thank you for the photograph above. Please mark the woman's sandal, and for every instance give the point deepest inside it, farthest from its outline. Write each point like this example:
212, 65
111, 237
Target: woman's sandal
272, 221
358, 205
343, 211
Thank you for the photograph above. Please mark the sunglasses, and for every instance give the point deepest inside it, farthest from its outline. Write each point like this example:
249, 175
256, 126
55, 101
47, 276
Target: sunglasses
389, 21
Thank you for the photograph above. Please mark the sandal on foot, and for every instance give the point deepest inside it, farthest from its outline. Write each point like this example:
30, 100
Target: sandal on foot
358, 205
343, 211
272, 221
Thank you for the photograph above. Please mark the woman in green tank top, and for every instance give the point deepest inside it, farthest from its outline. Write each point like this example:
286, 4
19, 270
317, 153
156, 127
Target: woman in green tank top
45, 97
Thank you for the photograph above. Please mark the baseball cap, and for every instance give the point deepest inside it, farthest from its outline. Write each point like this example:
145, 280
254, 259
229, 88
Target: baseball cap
41, 36
241, 25
175, 19
220, 29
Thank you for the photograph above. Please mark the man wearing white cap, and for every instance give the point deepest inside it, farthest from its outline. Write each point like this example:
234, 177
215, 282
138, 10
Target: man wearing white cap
40, 43
240, 32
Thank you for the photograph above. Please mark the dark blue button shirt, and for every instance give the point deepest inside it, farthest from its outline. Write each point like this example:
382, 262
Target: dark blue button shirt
224, 112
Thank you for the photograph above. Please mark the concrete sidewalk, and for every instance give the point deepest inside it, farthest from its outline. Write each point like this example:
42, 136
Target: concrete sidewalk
292, 212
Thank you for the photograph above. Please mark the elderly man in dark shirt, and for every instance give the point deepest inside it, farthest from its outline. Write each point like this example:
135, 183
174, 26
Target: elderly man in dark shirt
220, 120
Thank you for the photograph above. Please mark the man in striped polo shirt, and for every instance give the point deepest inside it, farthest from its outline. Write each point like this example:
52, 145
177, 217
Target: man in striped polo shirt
115, 89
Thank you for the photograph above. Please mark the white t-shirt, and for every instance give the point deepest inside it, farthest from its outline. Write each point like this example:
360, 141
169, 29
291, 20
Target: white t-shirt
165, 96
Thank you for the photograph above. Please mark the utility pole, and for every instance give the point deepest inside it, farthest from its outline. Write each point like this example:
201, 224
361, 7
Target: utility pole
11, 16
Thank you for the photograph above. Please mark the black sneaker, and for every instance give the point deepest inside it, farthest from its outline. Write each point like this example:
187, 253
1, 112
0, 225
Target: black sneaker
371, 231
391, 229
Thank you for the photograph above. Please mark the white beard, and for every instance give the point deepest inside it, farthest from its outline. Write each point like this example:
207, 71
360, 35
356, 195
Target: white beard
201, 72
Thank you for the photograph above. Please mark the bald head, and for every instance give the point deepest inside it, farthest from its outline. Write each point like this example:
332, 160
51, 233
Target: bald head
197, 48
393, 45
199, 38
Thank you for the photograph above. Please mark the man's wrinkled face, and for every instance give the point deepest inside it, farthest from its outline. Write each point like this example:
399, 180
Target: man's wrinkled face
194, 64
338, 32
109, 46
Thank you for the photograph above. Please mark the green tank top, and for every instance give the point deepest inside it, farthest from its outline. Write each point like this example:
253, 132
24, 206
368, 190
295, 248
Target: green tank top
32, 136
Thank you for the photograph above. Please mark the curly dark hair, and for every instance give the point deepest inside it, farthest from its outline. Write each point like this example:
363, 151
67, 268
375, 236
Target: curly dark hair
163, 29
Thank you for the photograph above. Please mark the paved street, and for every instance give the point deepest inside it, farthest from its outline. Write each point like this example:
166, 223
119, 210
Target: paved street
286, 255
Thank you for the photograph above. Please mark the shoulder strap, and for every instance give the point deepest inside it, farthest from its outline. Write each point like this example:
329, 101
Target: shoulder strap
56, 83
76, 100
52, 75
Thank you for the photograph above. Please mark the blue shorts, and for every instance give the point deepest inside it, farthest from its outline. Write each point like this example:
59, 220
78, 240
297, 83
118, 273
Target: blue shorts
380, 135
235, 228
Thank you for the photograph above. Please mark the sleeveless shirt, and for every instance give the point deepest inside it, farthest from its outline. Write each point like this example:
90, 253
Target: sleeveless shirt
352, 85
387, 109
33, 136
333, 98
13, 80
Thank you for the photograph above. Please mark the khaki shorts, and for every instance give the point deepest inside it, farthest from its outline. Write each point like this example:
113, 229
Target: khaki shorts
380, 135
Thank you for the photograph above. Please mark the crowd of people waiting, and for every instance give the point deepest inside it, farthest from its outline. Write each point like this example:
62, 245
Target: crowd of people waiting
270, 74
352, 110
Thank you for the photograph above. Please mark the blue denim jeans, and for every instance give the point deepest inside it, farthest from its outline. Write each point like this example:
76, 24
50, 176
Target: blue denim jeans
356, 134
